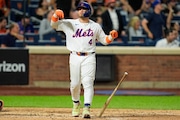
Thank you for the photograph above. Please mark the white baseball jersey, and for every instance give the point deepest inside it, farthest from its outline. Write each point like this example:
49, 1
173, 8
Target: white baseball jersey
80, 37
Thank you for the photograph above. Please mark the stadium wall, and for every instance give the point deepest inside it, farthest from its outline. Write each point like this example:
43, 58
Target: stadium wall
148, 67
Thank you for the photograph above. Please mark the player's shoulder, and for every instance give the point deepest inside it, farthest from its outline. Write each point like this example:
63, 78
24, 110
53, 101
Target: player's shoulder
70, 20
94, 23
91, 21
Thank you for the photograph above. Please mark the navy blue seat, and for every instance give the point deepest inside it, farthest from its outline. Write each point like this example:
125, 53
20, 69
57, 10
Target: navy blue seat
18, 4
32, 38
47, 43
117, 42
138, 41
122, 41
52, 38
176, 17
32, 10
20, 43
17, 9
34, 2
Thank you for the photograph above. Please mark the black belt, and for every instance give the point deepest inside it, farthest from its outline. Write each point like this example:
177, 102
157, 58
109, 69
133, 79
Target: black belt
82, 53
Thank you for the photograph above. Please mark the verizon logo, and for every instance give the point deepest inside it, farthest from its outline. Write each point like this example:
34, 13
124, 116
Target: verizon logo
12, 67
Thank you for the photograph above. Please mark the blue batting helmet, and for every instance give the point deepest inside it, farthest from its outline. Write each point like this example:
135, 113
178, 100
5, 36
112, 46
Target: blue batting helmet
86, 6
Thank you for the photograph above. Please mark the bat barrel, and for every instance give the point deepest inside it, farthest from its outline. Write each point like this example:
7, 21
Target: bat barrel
112, 94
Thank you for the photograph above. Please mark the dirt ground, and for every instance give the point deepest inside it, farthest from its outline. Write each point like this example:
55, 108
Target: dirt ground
65, 114
9, 113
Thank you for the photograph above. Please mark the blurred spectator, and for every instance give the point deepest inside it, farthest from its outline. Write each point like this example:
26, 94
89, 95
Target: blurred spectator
134, 27
45, 27
170, 11
97, 15
42, 9
99, 20
66, 6
176, 27
135, 6
170, 5
112, 19
155, 23
26, 23
127, 6
52, 4
3, 24
4, 8
169, 40
146, 9
10, 39
72, 12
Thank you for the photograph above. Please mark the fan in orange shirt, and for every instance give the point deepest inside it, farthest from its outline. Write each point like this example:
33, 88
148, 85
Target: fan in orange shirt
4, 8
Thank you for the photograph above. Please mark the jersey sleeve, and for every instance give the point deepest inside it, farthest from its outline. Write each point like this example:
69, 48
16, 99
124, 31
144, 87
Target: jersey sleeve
101, 36
60, 25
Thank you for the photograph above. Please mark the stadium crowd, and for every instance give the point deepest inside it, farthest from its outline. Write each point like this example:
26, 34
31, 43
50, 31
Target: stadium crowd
138, 22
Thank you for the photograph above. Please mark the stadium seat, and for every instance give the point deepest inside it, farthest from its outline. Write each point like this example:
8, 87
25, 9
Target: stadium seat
175, 19
52, 38
34, 2
19, 5
32, 38
21, 43
138, 41
47, 43
32, 9
18, 9
117, 42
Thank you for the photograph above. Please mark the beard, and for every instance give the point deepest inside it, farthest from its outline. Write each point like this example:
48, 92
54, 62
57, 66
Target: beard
112, 6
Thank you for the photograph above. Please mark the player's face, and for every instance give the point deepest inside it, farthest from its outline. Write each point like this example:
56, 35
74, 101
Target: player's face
81, 11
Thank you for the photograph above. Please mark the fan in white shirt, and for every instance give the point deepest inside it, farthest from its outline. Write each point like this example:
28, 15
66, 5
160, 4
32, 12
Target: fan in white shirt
169, 41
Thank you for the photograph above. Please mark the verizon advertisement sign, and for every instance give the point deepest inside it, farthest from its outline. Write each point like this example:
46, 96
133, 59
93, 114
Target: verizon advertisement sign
14, 66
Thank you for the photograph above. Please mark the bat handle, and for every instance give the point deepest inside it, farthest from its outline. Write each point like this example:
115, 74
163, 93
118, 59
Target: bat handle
102, 111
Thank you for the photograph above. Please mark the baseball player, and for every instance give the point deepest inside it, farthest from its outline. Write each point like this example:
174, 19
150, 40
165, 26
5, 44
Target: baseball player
81, 37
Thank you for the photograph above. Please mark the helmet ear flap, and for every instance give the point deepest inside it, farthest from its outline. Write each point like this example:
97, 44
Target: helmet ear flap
87, 13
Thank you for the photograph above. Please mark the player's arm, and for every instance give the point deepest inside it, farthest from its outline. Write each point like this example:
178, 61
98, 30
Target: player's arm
58, 15
106, 39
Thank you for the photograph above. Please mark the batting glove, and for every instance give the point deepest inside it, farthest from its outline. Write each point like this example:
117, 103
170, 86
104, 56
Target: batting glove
112, 35
59, 14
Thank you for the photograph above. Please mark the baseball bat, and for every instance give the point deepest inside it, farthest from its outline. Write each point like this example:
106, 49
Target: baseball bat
112, 94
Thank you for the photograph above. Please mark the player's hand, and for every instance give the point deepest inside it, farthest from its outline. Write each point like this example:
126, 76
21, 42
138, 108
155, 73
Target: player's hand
59, 13
114, 34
